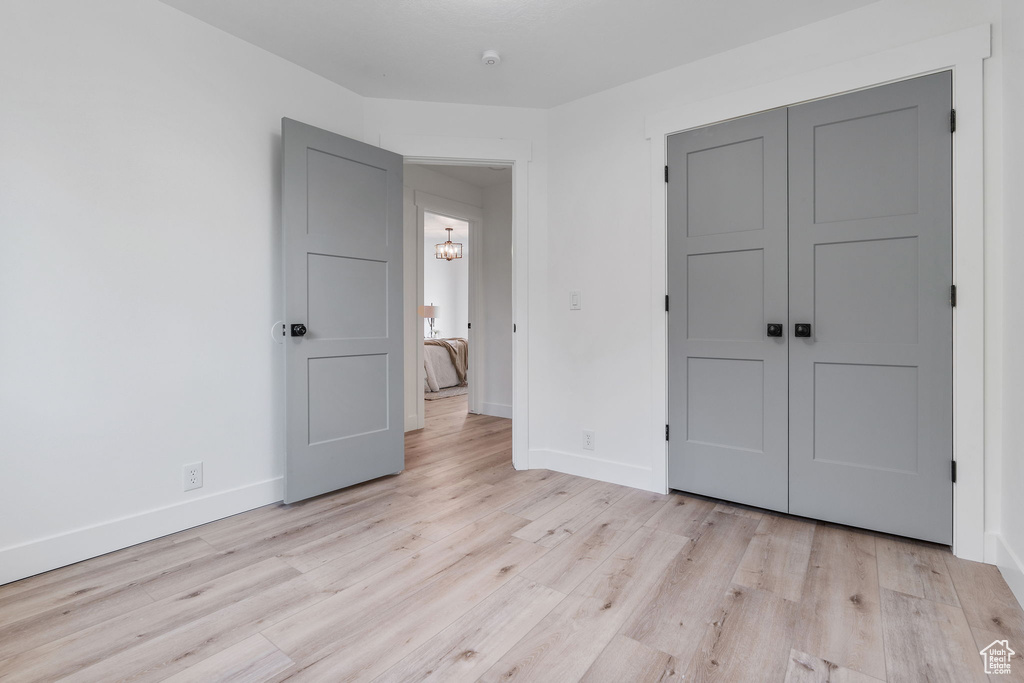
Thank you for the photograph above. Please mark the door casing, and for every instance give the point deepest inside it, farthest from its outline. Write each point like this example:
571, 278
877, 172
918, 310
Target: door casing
430, 149
425, 202
963, 53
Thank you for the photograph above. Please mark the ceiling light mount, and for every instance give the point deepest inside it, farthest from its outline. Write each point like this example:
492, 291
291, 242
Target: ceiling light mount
490, 58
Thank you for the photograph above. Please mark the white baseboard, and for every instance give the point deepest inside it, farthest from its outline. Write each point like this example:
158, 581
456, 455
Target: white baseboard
1009, 563
496, 410
35, 557
592, 468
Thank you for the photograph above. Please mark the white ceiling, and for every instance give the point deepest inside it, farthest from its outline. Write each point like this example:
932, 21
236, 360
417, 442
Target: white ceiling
435, 226
480, 176
553, 51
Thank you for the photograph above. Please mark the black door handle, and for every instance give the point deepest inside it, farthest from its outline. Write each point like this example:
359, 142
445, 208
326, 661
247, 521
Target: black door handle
298, 330
774, 329
802, 330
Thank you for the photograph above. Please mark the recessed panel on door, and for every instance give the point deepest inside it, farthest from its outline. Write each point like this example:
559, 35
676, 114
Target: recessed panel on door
879, 309
725, 295
348, 396
348, 297
725, 403
727, 282
737, 166
870, 270
866, 166
872, 434
347, 200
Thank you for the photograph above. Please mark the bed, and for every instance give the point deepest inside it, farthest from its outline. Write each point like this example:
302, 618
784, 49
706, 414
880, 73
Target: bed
446, 362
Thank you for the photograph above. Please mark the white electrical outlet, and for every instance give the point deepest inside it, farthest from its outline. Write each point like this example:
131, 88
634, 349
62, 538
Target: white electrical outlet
588, 440
193, 476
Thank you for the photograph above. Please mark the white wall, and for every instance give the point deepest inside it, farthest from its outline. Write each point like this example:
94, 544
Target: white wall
446, 283
593, 371
139, 272
1010, 479
494, 338
139, 181
141, 264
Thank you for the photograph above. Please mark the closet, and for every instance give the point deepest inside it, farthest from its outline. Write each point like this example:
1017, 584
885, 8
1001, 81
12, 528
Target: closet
810, 333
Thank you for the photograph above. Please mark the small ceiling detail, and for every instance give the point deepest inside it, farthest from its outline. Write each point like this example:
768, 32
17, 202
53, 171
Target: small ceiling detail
480, 176
552, 51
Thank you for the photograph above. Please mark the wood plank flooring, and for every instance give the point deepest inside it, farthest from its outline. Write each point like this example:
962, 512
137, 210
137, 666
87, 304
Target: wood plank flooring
462, 569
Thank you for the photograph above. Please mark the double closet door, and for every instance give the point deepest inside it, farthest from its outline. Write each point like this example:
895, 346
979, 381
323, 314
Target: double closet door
810, 333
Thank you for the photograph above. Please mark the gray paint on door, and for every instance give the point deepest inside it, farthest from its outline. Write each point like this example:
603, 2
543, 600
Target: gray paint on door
871, 391
342, 224
854, 423
727, 280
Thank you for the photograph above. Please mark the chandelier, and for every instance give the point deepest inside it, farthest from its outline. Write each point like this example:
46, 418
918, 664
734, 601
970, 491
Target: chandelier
448, 250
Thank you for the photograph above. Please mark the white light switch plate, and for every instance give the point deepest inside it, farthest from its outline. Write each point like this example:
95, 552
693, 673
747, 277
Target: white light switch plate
575, 300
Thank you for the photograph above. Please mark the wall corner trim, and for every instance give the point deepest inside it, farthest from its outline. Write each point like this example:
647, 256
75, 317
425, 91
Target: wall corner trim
593, 468
496, 409
1010, 564
21, 561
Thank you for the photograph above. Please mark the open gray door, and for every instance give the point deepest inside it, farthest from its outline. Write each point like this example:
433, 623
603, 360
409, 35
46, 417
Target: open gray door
871, 392
727, 285
342, 220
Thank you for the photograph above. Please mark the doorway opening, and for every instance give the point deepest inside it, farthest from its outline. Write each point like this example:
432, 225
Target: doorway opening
447, 333
462, 294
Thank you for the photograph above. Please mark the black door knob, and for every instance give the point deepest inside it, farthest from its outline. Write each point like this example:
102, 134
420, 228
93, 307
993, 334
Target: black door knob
802, 330
774, 329
298, 330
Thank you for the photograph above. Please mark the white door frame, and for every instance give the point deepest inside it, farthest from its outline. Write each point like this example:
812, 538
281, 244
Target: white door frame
963, 53
429, 149
472, 215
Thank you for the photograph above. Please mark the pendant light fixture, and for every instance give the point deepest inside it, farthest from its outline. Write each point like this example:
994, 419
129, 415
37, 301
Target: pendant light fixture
448, 250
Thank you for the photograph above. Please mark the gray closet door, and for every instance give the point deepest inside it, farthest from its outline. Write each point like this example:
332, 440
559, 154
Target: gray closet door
342, 219
727, 282
870, 270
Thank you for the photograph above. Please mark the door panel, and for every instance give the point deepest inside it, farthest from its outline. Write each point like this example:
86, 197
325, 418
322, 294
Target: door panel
362, 312
881, 309
342, 220
727, 280
725, 295
870, 268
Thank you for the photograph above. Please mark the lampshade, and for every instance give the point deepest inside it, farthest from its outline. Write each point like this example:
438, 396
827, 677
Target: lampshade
430, 311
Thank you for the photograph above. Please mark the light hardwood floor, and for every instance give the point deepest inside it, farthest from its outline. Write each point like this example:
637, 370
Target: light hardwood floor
462, 569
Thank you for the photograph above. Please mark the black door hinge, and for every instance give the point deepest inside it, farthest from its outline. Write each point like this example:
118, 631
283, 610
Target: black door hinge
666, 173
666, 432
513, 328
952, 470
952, 296
469, 326
666, 303
952, 120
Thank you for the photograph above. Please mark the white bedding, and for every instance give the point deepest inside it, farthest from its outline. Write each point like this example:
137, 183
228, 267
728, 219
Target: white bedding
441, 372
